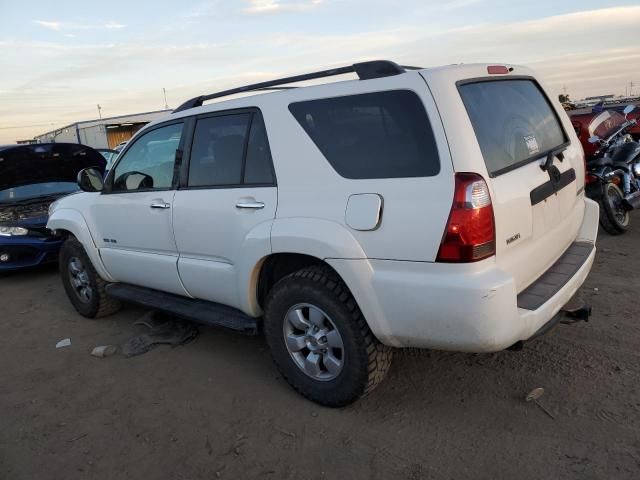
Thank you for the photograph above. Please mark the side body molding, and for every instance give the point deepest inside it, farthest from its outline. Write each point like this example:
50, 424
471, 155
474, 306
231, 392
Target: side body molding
72, 221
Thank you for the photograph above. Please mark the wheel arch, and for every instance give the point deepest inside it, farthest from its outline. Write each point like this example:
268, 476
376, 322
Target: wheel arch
71, 222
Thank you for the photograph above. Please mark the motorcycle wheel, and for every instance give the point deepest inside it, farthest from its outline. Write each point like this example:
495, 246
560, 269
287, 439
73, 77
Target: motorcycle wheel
614, 217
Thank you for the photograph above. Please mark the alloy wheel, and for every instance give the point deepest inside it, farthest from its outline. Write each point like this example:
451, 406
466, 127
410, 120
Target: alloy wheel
314, 342
80, 281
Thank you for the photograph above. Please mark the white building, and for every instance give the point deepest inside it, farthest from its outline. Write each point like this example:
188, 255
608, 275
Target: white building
102, 133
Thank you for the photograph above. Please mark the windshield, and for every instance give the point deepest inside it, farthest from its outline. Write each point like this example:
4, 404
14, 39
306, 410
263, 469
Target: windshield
513, 121
605, 123
25, 192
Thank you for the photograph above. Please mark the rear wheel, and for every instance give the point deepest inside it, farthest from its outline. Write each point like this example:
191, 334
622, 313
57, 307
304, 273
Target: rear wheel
319, 339
614, 216
84, 287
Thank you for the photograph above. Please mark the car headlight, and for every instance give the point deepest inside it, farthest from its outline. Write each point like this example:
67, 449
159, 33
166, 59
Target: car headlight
13, 231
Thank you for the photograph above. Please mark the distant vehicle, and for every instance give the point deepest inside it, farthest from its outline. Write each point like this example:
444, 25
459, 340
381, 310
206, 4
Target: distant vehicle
109, 155
438, 208
31, 177
596, 123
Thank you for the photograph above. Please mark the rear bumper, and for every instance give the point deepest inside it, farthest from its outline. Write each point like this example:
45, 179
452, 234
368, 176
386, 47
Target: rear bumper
26, 251
472, 307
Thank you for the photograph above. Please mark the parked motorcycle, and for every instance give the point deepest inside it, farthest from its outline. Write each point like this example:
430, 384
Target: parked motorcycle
613, 171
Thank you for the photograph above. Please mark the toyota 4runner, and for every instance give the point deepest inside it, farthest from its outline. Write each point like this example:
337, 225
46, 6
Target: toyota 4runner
436, 208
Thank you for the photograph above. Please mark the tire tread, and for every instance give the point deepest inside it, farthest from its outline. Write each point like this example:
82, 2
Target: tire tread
379, 356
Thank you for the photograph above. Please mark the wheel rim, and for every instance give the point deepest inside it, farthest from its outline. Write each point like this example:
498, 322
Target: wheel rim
616, 201
314, 342
79, 278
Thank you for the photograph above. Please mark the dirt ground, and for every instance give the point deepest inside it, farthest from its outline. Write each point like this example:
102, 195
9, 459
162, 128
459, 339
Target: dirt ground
216, 408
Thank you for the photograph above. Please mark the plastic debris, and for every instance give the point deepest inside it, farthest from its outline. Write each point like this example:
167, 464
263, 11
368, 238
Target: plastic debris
534, 395
66, 342
104, 351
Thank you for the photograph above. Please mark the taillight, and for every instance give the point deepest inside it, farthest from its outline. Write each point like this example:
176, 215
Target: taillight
470, 235
589, 178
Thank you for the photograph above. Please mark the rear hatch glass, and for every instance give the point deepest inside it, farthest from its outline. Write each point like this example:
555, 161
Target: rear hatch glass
513, 121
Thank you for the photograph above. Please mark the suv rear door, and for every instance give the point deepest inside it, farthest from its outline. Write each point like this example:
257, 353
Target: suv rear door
505, 128
227, 201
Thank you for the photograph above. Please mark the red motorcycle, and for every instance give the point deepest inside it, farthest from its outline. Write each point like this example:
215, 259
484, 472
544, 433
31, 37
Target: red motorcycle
612, 158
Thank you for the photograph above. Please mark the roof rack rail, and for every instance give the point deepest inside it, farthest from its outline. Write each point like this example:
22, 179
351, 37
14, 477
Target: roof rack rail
364, 70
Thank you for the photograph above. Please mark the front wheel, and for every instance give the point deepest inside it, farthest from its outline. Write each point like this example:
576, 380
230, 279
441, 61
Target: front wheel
84, 287
319, 339
614, 216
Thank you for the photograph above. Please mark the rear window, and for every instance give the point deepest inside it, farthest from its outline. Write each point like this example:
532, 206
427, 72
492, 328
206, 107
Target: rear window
513, 121
372, 135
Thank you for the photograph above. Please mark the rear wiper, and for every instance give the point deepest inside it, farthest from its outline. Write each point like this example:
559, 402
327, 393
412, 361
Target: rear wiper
553, 153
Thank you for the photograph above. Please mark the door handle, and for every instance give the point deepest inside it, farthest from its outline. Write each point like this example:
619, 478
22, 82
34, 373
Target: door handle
163, 205
252, 205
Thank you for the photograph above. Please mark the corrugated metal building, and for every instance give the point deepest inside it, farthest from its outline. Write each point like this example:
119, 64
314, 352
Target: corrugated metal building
102, 133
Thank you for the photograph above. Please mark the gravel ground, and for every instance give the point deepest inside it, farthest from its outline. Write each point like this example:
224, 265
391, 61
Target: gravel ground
216, 408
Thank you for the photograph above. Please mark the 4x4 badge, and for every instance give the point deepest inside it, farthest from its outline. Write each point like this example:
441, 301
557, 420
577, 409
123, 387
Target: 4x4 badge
512, 239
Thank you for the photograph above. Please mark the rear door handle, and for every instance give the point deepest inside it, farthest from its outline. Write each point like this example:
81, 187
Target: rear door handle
163, 205
252, 205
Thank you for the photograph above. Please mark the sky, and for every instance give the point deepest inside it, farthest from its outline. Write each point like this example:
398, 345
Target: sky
59, 59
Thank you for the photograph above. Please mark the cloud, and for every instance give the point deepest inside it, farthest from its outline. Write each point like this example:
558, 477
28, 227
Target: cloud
60, 26
62, 81
49, 25
261, 7
113, 25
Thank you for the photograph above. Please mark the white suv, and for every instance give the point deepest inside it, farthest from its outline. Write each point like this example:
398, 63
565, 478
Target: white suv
435, 208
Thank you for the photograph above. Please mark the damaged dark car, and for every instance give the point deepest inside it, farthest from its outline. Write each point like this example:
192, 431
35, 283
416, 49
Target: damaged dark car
31, 178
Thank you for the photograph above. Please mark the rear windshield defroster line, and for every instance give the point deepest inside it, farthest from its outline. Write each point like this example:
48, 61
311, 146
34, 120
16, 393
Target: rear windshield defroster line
513, 120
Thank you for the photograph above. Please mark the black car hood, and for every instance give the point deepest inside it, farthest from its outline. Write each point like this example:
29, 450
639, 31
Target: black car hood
49, 162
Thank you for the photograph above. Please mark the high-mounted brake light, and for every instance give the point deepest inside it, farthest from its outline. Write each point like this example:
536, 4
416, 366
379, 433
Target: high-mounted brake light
497, 70
470, 235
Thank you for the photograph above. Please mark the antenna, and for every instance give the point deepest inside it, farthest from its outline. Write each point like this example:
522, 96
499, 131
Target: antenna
164, 92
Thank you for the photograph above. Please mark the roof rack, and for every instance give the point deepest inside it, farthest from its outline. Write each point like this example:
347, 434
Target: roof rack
364, 70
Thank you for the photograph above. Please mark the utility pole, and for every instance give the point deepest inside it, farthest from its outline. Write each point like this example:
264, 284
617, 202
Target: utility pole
630, 87
99, 112
164, 92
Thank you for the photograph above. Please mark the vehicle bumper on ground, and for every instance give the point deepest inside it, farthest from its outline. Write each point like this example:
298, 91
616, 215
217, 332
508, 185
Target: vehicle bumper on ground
472, 307
26, 251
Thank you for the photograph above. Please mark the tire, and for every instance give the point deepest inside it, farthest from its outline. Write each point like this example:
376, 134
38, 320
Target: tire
611, 218
364, 360
84, 287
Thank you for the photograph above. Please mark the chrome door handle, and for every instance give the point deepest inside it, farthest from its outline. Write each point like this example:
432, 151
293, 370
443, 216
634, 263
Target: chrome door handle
163, 205
253, 205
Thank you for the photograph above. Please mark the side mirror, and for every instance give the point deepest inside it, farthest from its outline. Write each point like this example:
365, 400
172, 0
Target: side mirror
594, 139
628, 109
90, 180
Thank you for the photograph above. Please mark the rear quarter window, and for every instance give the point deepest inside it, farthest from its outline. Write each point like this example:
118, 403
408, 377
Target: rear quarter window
513, 122
372, 135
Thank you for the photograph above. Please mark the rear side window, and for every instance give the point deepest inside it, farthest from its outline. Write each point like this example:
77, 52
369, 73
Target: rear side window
218, 150
372, 135
230, 150
513, 122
